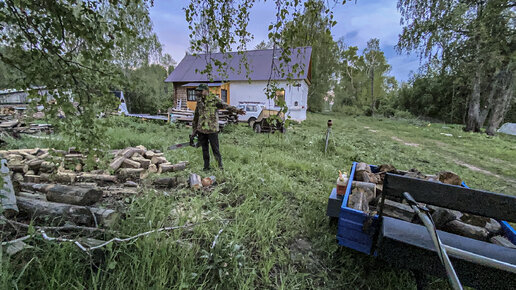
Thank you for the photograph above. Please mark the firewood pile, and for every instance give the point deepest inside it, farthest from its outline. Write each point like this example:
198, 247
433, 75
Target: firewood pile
366, 192
15, 127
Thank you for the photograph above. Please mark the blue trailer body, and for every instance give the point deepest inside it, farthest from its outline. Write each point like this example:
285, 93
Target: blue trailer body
356, 228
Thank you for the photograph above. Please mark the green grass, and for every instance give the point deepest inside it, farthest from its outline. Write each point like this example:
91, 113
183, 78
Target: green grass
272, 194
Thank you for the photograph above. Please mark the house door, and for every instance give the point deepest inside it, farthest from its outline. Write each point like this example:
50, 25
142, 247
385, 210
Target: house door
224, 95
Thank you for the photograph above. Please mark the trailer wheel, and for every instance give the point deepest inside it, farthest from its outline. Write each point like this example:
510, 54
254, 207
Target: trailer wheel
257, 128
251, 122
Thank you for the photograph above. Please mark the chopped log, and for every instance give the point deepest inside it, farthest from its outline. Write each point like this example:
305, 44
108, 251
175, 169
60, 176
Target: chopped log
39, 209
398, 210
461, 228
7, 197
97, 177
128, 163
73, 156
158, 160
9, 124
131, 184
30, 172
449, 178
208, 181
32, 178
149, 154
153, 168
104, 216
44, 155
78, 167
48, 167
358, 200
165, 167
35, 164
442, 216
362, 167
14, 157
158, 153
136, 155
18, 177
117, 162
502, 241
44, 177
73, 194
130, 172
180, 166
195, 181
28, 156
18, 167
65, 177
128, 152
167, 182
142, 148
144, 162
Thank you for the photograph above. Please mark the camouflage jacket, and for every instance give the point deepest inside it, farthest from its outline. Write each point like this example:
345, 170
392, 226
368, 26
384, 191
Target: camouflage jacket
206, 118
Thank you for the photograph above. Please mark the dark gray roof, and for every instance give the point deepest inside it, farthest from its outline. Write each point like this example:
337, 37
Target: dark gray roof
259, 66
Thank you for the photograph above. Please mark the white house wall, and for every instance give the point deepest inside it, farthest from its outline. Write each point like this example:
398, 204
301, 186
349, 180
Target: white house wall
243, 91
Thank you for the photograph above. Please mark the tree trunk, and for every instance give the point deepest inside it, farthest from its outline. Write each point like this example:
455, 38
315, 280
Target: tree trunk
40, 209
474, 103
502, 103
372, 91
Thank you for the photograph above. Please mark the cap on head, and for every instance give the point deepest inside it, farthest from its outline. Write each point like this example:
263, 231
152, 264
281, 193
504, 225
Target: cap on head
201, 87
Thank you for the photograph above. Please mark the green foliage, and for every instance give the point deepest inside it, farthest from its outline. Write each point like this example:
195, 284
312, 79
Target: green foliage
363, 79
76, 49
312, 28
146, 91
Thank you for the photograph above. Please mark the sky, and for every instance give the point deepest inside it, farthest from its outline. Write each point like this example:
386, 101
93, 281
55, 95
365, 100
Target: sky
356, 24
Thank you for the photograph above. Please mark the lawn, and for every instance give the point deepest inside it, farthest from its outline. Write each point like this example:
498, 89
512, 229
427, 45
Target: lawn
264, 224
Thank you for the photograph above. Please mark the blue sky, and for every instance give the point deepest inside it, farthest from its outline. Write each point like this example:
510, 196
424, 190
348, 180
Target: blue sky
356, 24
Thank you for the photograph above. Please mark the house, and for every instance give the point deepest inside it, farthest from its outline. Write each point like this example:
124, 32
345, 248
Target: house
238, 85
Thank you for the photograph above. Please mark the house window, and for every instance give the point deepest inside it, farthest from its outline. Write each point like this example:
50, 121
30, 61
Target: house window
280, 97
224, 95
191, 95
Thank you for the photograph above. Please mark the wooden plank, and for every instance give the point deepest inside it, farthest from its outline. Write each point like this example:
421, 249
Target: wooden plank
474, 201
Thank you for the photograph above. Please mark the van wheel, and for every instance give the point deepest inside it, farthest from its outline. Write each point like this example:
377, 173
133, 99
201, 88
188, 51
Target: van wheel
251, 121
257, 128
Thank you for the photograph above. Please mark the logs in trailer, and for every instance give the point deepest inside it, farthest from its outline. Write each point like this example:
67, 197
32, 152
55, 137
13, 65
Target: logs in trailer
420, 247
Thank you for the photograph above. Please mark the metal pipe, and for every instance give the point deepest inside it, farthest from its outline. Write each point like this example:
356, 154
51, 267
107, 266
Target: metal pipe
440, 249
482, 260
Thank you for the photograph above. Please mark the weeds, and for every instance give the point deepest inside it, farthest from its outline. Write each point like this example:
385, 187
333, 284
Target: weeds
272, 193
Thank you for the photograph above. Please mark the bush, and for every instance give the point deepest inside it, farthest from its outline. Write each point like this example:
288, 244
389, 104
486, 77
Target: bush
348, 110
400, 114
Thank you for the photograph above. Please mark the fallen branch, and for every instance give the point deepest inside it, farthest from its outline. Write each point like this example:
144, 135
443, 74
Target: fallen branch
61, 228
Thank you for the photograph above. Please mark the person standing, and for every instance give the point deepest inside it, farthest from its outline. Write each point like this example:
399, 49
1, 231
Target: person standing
206, 123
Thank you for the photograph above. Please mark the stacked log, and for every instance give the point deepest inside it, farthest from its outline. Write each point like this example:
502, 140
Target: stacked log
67, 167
453, 221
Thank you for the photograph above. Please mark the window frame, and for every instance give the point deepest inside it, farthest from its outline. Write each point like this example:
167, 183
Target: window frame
188, 95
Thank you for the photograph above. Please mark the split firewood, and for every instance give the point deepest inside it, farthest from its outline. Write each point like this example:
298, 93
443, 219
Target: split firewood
18, 177
158, 160
48, 167
149, 154
153, 168
128, 152
449, 178
35, 164
43, 155
18, 167
165, 167
502, 241
14, 157
30, 172
43, 177
74, 156
65, 177
31, 195
28, 156
358, 200
78, 167
362, 167
142, 148
66, 194
369, 189
464, 229
144, 162
32, 178
128, 163
130, 172
195, 181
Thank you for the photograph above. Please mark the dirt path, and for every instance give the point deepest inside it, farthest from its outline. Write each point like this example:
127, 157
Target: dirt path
460, 162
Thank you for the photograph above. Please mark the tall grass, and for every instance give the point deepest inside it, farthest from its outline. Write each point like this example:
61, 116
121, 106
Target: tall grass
271, 195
